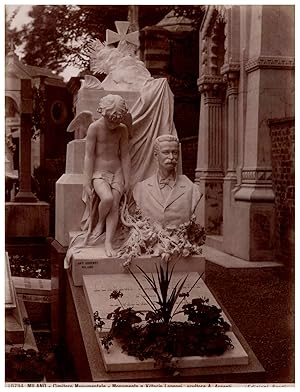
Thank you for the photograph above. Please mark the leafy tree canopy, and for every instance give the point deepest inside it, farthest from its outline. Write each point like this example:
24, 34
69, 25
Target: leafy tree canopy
58, 34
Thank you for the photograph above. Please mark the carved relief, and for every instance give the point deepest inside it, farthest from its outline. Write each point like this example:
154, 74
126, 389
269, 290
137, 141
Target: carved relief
270, 62
230, 67
232, 79
222, 13
259, 175
213, 56
204, 56
212, 44
212, 86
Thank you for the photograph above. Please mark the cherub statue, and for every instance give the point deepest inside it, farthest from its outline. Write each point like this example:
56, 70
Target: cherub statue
106, 174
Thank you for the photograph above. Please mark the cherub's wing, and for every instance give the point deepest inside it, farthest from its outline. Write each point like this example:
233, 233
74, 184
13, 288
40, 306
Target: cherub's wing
80, 124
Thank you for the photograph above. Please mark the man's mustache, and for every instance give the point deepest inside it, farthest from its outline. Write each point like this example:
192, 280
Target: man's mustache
174, 161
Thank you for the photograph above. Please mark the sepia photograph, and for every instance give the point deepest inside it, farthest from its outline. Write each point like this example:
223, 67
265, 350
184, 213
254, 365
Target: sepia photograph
149, 195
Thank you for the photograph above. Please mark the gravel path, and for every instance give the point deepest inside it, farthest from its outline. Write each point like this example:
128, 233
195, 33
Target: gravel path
261, 303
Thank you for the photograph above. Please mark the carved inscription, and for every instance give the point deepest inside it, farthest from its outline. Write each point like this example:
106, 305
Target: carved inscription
98, 288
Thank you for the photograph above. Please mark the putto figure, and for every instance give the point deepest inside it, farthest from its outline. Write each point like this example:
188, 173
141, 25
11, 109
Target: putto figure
106, 170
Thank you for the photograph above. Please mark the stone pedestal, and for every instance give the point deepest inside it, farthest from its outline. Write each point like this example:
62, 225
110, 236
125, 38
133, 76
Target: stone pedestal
58, 291
93, 261
27, 219
69, 206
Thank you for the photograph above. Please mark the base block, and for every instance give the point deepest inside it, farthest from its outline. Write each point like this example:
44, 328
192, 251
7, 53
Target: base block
117, 361
93, 261
69, 206
89, 365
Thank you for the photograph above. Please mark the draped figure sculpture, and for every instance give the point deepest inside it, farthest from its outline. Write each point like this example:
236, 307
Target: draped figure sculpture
150, 116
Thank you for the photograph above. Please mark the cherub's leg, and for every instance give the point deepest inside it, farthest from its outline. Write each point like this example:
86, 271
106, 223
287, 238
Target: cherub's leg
103, 190
111, 223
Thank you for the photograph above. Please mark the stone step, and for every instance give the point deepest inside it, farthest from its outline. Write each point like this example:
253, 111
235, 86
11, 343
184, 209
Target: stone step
228, 261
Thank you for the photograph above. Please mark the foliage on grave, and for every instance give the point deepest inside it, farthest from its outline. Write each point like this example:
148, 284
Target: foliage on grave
30, 267
147, 238
24, 365
156, 335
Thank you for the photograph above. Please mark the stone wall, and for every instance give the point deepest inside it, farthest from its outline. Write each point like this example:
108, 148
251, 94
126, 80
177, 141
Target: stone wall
283, 174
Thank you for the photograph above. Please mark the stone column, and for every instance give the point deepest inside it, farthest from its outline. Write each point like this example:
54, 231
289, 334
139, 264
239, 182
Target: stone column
230, 179
25, 194
232, 123
209, 171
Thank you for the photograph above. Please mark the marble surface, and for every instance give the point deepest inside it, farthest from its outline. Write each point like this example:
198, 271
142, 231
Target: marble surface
91, 368
97, 289
118, 361
93, 261
10, 295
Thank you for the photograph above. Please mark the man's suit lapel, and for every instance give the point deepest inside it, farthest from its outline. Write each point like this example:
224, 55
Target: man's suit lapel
154, 190
178, 190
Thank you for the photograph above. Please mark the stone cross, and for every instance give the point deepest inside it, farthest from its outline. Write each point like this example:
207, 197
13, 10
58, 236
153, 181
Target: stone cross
25, 194
122, 35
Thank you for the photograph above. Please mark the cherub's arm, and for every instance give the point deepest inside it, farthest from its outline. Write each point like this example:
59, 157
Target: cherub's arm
89, 158
127, 120
125, 157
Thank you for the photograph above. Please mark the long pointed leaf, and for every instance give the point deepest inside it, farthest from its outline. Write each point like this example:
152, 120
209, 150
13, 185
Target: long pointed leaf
149, 303
144, 291
176, 291
197, 280
146, 276
151, 282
